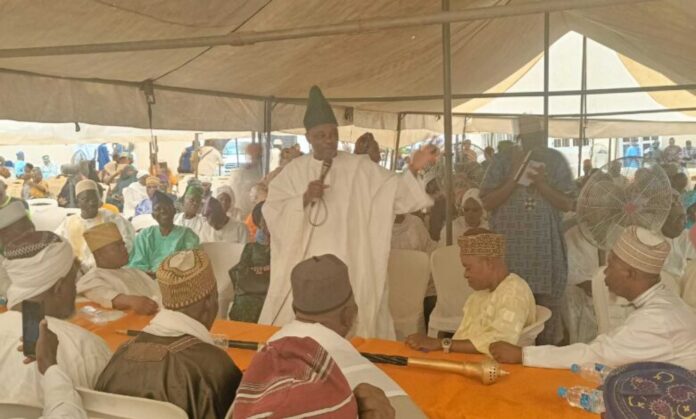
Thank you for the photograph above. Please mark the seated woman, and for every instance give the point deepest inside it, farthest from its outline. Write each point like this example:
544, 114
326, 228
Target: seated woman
154, 244
222, 228
500, 307
472, 215
252, 274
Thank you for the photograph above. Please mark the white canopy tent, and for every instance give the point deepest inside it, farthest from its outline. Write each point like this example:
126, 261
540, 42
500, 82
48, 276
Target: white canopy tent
377, 73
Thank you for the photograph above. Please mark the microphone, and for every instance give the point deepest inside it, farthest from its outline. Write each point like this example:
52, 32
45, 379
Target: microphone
325, 167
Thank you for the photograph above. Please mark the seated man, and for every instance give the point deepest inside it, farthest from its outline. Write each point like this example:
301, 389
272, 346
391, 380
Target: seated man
175, 359
500, 306
61, 400
14, 221
221, 227
111, 284
152, 185
155, 243
42, 269
73, 228
661, 329
286, 371
193, 201
325, 311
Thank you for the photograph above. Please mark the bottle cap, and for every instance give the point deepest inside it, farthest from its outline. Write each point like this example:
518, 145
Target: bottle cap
562, 392
575, 368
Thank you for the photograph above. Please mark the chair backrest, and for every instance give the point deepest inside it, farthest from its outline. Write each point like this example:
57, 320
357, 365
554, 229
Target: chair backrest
42, 202
530, 333
452, 289
47, 218
409, 273
116, 406
142, 221
223, 257
69, 212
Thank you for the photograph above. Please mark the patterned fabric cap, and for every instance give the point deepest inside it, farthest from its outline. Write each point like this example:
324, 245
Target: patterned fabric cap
185, 278
30, 244
294, 377
490, 245
86, 185
102, 235
650, 390
642, 249
11, 213
152, 181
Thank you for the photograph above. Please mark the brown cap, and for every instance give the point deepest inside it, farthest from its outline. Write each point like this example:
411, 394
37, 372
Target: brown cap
102, 235
320, 284
487, 244
185, 278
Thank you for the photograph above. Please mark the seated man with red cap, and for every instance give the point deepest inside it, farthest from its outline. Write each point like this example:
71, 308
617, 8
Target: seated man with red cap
111, 284
325, 310
175, 359
661, 329
42, 269
73, 228
296, 377
14, 221
500, 307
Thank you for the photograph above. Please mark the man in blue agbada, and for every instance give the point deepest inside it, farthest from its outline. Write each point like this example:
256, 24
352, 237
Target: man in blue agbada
530, 217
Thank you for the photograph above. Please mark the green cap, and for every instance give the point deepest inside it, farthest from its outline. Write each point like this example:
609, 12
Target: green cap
318, 110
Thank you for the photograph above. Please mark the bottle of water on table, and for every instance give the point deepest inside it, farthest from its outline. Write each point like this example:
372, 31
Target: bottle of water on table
592, 372
585, 398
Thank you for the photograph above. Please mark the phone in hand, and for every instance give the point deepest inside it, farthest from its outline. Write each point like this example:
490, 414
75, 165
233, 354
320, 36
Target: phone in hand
32, 314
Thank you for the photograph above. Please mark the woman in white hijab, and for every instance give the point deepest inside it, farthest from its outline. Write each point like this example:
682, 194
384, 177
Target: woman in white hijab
472, 216
226, 196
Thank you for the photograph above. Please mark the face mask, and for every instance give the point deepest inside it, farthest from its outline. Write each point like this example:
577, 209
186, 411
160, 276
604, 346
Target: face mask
261, 237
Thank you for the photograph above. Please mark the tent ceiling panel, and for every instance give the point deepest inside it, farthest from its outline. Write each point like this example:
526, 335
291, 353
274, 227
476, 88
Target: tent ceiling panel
396, 62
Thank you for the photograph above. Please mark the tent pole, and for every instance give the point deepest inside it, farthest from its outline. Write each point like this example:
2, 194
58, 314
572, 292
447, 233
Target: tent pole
395, 157
268, 111
583, 103
350, 27
547, 24
447, 109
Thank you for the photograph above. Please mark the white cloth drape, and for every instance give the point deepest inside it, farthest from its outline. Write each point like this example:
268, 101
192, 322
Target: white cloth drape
103, 285
170, 323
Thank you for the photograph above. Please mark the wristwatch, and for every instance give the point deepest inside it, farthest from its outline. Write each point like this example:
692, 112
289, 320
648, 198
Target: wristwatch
446, 344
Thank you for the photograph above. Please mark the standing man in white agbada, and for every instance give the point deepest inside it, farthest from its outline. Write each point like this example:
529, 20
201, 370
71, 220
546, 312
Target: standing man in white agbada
350, 214
209, 160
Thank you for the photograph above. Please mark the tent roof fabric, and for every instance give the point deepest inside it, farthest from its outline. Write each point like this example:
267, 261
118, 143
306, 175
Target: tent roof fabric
105, 89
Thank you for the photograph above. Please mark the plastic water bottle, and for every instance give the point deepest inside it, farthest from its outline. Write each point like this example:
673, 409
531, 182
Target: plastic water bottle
595, 373
588, 399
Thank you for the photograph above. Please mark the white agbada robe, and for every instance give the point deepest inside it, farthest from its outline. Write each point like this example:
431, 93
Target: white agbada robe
361, 201
133, 195
232, 232
661, 329
198, 224
210, 161
411, 234
73, 228
61, 400
103, 285
681, 251
82, 356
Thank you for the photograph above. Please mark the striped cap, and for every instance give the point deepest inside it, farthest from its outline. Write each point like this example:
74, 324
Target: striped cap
185, 278
642, 249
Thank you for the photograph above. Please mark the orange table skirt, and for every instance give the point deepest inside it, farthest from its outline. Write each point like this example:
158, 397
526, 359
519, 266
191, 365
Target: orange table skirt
525, 393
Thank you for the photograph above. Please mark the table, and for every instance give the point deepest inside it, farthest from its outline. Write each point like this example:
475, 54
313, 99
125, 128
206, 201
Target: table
525, 393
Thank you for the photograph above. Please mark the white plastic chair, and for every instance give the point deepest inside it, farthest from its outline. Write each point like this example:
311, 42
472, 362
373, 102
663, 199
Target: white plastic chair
116, 406
530, 333
47, 218
69, 212
408, 274
223, 256
42, 202
142, 221
452, 290
13, 411
688, 284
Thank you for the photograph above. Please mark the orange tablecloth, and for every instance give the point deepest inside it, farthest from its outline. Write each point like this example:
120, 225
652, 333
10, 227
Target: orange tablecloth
525, 393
